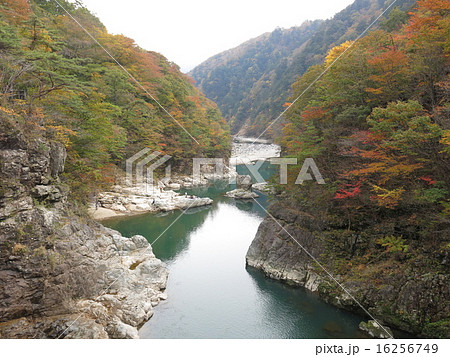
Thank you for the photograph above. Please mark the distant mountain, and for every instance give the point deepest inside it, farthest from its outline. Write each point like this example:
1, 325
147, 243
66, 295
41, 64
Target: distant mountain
250, 83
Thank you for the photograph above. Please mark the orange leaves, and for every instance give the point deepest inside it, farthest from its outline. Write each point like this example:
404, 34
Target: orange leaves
16, 11
7, 110
384, 165
196, 100
430, 22
428, 13
390, 69
363, 136
61, 134
176, 113
315, 113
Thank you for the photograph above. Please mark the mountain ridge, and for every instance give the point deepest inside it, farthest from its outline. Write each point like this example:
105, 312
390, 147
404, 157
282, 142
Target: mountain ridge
250, 98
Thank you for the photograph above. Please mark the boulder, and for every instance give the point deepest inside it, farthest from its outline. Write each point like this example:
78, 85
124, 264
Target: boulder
244, 182
376, 330
241, 194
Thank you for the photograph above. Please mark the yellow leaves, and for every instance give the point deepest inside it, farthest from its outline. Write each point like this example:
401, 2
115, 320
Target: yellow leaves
402, 169
446, 141
7, 111
387, 198
336, 51
62, 134
374, 91
176, 113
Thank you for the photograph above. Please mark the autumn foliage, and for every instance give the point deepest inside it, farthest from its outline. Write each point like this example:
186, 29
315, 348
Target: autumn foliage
378, 124
52, 73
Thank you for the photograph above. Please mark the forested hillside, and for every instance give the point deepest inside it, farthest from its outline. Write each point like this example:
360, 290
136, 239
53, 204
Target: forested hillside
55, 79
251, 82
378, 127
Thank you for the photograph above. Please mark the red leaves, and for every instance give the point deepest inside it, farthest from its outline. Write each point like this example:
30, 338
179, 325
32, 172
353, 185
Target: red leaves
313, 113
352, 191
364, 137
428, 180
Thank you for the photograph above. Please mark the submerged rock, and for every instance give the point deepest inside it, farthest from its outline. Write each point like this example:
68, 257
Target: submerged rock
333, 329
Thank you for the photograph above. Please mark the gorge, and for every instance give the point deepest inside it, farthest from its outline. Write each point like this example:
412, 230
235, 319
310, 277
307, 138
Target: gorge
87, 250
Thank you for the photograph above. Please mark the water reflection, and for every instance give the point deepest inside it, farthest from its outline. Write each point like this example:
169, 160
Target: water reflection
170, 243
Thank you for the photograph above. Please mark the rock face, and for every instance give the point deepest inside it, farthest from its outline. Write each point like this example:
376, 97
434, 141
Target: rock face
372, 328
408, 300
280, 257
62, 274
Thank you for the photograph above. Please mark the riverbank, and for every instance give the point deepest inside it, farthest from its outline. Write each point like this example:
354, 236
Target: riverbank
122, 201
397, 294
126, 199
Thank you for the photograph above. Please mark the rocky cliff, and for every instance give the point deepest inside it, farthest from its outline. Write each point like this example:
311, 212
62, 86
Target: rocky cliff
397, 294
61, 274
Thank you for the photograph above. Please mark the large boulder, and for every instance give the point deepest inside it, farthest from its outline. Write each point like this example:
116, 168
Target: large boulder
244, 182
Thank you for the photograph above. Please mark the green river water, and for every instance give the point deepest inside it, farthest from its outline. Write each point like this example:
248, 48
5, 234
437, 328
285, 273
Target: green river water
211, 292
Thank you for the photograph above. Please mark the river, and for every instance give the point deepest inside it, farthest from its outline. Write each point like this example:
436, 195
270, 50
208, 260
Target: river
211, 292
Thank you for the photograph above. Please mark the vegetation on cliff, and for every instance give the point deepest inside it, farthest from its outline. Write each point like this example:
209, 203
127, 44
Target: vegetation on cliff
378, 126
57, 79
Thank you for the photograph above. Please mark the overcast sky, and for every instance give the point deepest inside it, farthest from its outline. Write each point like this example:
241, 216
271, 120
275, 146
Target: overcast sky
189, 32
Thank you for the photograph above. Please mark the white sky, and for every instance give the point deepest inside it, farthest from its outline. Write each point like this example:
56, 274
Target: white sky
189, 32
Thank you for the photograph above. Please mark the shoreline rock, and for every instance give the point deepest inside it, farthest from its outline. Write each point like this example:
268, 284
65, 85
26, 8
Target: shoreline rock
141, 199
241, 194
59, 269
127, 199
414, 302
127, 282
263, 187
